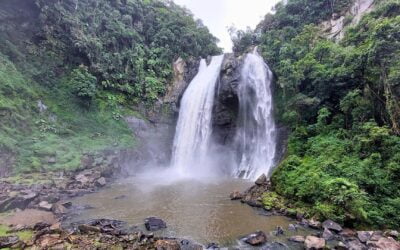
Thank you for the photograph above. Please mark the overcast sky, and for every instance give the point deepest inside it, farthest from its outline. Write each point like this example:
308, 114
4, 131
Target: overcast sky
218, 15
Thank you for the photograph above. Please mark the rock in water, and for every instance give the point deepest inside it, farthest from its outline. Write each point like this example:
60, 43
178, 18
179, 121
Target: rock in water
256, 238
331, 225
59, 208
297, 238
236, 195
314, 243
154, 224
262, 180
292, 227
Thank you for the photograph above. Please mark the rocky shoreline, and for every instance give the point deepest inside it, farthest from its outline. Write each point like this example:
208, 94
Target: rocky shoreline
328, 234
38, 205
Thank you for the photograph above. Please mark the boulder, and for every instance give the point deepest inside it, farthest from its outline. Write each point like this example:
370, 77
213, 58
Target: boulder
384, 243
41, 225
279, 231
20, 201
262, 180
314, 224
236, 195
292, 227
376, 236
154, 224
340, 246
56, 226
82, 179
328, 235
355, 245
88, 229
44, 205
51, 198
101, 182
392, 233
256, 238
8, 241
364, 236
331, 225
59, 208
314, 243
167, 245
348, 233
297, 238
212, 246
252, 196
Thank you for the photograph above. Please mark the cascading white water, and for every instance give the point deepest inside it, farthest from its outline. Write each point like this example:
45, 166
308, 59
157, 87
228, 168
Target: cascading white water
193, 131
255, 135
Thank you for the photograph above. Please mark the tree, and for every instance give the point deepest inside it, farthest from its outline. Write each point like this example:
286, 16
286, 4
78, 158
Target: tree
83, 84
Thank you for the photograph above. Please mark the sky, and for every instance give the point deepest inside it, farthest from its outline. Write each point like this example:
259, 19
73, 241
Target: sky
219, 15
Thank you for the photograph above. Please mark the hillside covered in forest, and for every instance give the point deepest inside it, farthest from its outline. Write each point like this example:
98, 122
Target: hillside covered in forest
340, 98
71, 70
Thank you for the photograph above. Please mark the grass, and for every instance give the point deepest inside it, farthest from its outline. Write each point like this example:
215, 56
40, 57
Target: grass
25, 235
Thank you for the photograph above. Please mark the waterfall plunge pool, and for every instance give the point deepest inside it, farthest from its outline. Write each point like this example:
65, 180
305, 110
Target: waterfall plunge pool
193, 209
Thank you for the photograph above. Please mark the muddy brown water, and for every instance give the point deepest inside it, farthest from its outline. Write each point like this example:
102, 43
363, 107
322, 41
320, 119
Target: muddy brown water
195, 210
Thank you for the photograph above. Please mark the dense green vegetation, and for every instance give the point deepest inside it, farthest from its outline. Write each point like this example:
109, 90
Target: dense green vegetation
341, 102
71, 70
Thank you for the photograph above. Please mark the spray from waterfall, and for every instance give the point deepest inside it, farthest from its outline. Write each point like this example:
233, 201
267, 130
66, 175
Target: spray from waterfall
255, 135
193, 131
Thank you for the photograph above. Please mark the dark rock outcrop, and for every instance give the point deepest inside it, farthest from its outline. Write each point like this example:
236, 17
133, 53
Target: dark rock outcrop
253, 195
331, 225
8, 241
20, 201
154, 224
226, 105
256, 238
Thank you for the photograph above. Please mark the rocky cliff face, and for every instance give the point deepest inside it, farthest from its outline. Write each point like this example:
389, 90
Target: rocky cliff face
335, 27
226, 104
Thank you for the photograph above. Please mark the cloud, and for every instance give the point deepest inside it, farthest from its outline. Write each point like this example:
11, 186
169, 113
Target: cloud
219, 15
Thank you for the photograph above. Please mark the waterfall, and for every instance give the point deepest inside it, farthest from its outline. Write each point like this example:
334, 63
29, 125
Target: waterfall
255, 135
193, 130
